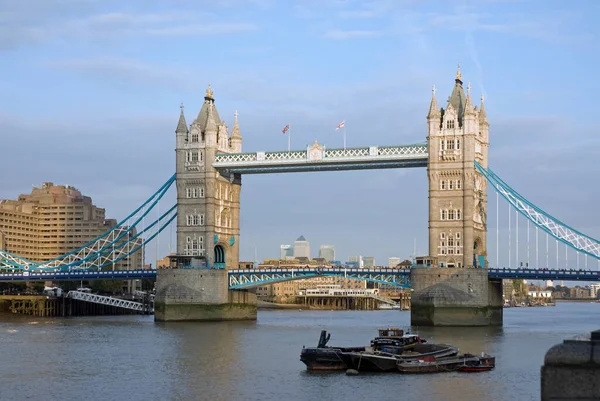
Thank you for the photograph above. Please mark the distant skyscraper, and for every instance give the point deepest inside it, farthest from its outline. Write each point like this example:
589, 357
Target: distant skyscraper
286, 252
369, 261
301, 248
356, 259
327, 252
393, 262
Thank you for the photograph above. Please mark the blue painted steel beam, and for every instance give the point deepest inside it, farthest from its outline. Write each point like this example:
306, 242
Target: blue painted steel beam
538, 274
323, 166
250, 278
78, 275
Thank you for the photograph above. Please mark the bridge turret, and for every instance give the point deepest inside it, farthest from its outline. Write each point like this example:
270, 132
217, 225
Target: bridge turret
182, 129
434, 117
469, 116
211, 131
235, 142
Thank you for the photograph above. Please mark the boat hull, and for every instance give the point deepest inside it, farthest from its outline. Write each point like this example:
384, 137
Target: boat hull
387, 362
328, 358
465, 363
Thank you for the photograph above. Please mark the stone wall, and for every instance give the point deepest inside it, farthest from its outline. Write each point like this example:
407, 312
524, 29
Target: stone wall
200, 294
571, 370
455, 297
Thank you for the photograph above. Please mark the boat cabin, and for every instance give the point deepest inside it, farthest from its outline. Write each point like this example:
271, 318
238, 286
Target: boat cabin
391, 333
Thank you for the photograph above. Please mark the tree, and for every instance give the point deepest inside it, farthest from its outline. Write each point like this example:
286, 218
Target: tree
107, 286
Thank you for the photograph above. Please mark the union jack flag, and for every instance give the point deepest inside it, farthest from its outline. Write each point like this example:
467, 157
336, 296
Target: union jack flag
285, 129
341, 125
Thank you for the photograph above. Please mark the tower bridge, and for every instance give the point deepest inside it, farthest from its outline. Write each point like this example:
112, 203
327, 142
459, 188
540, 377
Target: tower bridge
453, 285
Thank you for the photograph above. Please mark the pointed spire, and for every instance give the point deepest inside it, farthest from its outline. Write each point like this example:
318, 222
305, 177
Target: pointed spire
182, 126
469, 103
458, 74
235, 132
211, 124
482, 114
434, 110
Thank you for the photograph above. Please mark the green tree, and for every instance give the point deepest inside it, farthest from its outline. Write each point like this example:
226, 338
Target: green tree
107, 286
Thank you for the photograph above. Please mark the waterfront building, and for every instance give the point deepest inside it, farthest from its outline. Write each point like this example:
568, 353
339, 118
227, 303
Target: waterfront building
327, 252
368, 261
301, 248
54, 220
394, 261
595, 290
286, 252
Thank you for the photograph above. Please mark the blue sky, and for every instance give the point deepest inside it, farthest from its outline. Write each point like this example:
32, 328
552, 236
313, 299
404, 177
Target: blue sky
91, 92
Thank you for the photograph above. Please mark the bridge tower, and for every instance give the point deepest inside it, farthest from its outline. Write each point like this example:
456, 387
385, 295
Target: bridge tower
208, 225
455, 290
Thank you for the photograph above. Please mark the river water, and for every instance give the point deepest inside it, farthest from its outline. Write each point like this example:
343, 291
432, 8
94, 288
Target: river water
133, 358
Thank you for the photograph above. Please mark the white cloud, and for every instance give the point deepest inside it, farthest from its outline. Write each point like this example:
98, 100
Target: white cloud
24, 27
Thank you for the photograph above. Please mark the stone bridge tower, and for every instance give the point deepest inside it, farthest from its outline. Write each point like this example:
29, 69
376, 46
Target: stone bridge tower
208, 226
457, 137
208, 204
455, 290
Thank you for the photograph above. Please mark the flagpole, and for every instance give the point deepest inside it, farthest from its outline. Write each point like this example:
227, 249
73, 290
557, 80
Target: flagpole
344, 136
289, 132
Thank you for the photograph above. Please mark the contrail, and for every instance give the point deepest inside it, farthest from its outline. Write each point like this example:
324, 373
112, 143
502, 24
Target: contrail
470, 43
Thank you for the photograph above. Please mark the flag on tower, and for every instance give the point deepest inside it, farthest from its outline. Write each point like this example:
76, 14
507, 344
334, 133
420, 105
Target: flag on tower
285, 129
341, 125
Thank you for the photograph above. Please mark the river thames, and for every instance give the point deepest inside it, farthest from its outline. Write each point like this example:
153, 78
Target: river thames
133, 358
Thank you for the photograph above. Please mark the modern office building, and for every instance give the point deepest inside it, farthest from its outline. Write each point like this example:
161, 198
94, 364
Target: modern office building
327, 252
358, 260
54, 220
368, 261
286, 252
393, 262
301, 248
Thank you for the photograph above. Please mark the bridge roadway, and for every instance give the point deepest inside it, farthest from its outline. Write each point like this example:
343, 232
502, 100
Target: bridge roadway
249, 278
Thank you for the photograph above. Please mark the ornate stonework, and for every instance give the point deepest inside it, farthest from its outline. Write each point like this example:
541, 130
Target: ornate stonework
208, 204
457, 136
315, 152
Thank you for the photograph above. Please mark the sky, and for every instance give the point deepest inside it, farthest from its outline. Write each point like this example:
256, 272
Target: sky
90, 95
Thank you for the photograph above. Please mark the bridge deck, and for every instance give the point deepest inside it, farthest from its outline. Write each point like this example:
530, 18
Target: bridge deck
317, 158
257, 277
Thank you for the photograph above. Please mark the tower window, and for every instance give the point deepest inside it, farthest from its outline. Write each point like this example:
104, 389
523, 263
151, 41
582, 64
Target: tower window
458, 184
450, 184
444, 214
195, 137
458, 144
450, 124
443, 184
